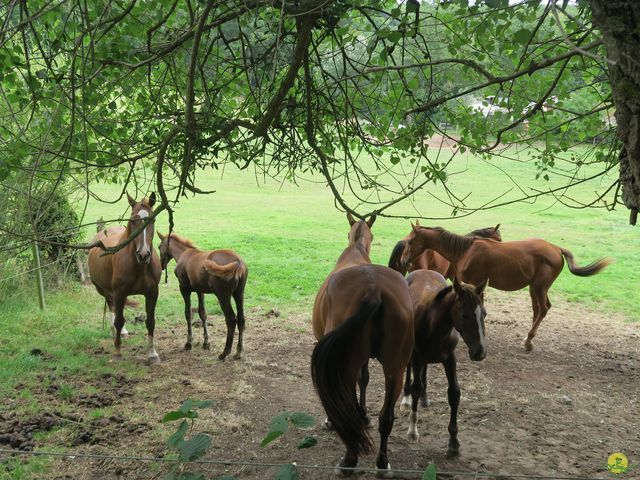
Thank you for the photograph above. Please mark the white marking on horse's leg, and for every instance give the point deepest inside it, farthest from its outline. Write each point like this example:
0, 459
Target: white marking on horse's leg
480, 329
123, 332
384, 472
412, 433
406, 402
152, 355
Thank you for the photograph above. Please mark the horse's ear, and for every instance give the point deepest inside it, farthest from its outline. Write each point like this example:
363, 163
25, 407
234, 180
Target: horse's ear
417, 222
152, 199
481, 288
350, 218
457, 286
496, 228
372, 219
161, 236
415, 227
131, 199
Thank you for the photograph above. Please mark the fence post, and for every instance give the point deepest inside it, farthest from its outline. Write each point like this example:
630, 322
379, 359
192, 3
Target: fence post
36, 258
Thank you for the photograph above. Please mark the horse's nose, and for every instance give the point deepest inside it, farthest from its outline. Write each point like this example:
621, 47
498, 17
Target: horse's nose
478, 354
144, 256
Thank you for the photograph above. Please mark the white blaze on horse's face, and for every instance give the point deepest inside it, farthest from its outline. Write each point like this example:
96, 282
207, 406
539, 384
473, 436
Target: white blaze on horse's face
144, 252
483, 343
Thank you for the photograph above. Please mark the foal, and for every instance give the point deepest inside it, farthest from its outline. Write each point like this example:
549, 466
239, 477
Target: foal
533, 263
441, 315
221, 272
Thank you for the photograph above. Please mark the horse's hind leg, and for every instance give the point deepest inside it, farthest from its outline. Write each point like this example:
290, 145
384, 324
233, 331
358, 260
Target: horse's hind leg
424, 401
186, 296
416, 389
150, 304
543, 306
363, 381
406, 398
230, 320
453, 393
392, 390
203, 318
238, 297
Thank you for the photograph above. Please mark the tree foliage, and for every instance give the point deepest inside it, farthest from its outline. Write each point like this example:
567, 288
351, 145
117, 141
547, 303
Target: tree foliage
148, 93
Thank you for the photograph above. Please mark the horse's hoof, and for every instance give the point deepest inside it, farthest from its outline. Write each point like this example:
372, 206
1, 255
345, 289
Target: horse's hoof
528, 345
368, 421
344, 468
453, 452
154, 360
117, 357
237, 356
384, 472
425, 402
413, 435
187, 346
222, 356
328, 425
206, 346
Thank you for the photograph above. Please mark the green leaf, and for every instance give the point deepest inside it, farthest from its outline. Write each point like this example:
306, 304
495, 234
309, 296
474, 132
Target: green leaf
522, 36
195, 447
308, 442
191, 476
279, 425
287, 472
430, 472
302, 420
177, 415
177, 438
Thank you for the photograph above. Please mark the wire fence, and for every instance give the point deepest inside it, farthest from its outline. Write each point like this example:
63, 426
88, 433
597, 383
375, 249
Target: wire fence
406, 473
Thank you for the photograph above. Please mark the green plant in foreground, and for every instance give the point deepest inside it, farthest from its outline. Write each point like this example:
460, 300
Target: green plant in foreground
188, 449
279, 426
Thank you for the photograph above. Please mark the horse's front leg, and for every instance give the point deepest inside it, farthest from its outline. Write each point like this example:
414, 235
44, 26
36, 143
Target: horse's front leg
406, 397
151, 299
203, 318
453, 393
186, 296
118, 322
416, 389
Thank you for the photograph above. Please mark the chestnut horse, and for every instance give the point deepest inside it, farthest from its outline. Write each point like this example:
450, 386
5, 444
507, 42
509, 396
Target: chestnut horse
135, 269
432, 260
441, 315
508, 265
221, 272
361, 311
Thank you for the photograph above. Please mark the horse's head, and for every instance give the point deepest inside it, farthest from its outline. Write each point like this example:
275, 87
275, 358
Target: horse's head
360, 232
468, 315
165, 254
140, 211
415, 244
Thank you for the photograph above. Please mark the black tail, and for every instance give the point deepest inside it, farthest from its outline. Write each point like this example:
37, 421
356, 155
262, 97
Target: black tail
590, 269
333, 363
396, 255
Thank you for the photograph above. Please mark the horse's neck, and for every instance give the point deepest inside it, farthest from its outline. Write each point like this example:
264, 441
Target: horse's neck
177, 248
434, 242
353, 255
439, 317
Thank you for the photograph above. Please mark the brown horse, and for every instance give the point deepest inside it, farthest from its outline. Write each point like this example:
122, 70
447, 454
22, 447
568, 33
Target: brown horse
135, 269
221, 272
432, 260
361, 311
441, 315
508, 266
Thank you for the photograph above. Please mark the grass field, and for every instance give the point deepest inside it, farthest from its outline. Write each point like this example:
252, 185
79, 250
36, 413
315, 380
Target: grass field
290, 236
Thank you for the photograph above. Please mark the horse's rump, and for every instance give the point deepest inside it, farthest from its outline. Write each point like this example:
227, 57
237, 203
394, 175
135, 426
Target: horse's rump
233, 270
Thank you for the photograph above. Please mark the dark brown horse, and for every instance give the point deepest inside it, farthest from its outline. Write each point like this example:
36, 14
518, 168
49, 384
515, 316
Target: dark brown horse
432, 260
508, 265
135, 269
441, 315
221, 272
361, 311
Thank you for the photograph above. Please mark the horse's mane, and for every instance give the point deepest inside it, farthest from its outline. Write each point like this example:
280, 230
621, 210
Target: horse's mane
488, 232
451, 241
442, 293
182, 240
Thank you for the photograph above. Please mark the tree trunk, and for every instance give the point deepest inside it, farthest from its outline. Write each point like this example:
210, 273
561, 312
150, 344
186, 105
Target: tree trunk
619, 23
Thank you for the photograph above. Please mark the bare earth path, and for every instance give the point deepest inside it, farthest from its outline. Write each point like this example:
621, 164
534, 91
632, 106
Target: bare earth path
559, 410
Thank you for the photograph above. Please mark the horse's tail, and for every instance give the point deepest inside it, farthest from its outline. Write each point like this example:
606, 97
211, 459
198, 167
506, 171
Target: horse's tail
229, 271
590, 269
334, 370
396, 255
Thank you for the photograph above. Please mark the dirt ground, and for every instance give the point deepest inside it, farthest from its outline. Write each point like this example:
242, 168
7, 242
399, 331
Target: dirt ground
557, 411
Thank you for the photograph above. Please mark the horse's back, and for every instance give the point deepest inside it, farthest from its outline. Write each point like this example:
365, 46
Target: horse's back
424, 285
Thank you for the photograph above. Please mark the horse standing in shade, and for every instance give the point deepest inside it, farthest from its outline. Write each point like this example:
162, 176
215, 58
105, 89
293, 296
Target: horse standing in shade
509, 266
135, 269
441, 315
432, 260
221, 272
361, 311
